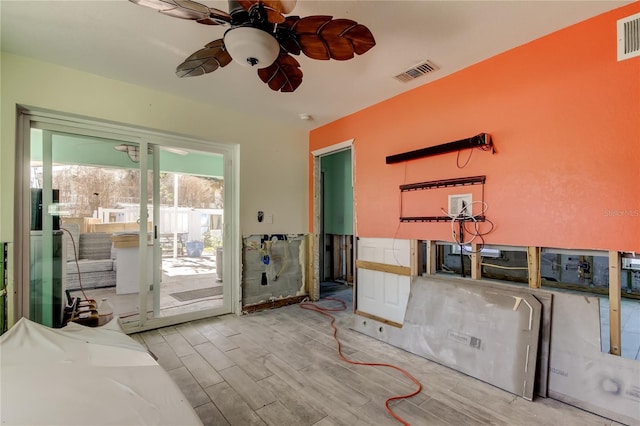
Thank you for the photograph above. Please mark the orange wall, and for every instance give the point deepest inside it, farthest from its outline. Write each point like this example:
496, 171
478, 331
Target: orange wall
565, 119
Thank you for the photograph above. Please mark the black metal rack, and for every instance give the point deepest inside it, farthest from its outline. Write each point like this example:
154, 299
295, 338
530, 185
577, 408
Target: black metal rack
439, 219
443, 183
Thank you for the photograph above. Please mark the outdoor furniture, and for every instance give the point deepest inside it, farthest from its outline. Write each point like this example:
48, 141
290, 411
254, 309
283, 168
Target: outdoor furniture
167, 240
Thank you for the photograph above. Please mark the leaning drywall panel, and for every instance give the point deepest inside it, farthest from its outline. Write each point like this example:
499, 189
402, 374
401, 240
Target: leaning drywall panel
580, 374
546, 299
488, 333
383, 294
273, 267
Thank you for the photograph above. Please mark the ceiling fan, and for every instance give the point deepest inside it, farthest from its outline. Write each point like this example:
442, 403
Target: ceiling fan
260, 36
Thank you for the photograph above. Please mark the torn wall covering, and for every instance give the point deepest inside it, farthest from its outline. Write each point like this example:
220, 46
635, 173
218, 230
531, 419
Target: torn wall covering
273, 267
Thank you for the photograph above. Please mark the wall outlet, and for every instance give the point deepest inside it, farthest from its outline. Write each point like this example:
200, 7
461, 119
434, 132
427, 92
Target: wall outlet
457, 204
268, 218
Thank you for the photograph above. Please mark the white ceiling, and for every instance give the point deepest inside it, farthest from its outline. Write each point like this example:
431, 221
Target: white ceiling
123, 41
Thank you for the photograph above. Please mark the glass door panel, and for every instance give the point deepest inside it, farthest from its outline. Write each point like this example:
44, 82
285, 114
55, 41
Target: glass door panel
94, 191
188, 210
100, 228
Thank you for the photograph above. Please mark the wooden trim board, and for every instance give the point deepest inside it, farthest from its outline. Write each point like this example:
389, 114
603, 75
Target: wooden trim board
383, 267
377, 318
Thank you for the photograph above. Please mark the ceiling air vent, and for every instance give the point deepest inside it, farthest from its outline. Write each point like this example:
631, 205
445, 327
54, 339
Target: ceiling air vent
629, 37
416, 71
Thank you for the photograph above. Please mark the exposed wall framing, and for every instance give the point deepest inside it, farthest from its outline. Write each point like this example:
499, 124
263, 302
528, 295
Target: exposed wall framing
274, 269
339, 250
533, 262
425, 255
310, 267
614, 304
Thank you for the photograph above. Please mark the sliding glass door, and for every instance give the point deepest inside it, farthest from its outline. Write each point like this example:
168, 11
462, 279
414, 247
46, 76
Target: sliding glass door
187, 189
134, 223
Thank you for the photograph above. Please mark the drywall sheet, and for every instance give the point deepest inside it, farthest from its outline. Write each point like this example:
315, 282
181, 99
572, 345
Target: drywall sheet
580, 374
78, 375
272, 267
546, 299
488, 333
383, 294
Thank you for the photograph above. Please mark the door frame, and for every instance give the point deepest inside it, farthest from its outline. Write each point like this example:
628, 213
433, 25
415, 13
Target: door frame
314, 292
75, 124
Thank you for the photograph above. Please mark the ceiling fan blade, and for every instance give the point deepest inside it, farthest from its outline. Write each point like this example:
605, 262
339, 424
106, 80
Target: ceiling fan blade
323, 38
206, 60
216, 17
280, 6
187, 9
287, 38
361, 38
283, 75
274, 16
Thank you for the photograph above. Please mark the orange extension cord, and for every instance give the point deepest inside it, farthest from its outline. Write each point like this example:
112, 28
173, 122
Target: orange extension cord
325, 311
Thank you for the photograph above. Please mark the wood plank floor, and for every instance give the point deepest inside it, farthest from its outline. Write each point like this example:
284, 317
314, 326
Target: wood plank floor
280, 367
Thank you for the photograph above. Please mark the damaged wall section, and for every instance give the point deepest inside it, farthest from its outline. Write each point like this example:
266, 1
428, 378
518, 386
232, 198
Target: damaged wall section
273, 268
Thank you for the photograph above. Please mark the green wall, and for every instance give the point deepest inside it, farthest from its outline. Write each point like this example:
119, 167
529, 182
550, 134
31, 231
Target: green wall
338, 193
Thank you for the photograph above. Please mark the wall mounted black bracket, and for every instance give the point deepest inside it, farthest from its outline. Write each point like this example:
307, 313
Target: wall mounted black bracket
482, 141
440, 219
443, 183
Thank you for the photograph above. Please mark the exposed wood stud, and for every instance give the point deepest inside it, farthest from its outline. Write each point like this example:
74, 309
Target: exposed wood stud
312, 286
476, 260
533, 262
614, 303
413, 252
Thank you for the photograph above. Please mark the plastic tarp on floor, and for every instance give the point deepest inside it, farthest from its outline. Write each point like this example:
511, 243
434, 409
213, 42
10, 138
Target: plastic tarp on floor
78, 375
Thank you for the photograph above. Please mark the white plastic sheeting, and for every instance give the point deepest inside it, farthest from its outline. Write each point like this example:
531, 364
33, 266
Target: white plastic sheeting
78, 375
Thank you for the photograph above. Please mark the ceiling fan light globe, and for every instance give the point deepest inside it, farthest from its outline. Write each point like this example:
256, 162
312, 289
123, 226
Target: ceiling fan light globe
251, 47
